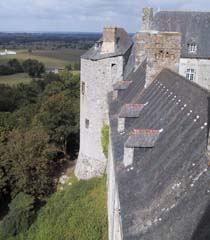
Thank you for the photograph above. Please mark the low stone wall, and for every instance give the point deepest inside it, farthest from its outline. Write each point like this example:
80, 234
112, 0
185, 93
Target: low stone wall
114, 219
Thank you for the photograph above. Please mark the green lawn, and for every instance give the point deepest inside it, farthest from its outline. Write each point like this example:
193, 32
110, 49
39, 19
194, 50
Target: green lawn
52, 58
77, 211
15, 79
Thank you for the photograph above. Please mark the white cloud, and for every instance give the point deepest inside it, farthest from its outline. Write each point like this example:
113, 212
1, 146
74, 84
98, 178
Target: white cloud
82, 15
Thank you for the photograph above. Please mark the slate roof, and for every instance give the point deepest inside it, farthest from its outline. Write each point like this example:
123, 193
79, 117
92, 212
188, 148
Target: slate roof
121, 85
143, 139
165, 194
122, 48
131, 110
194, 26
137, 85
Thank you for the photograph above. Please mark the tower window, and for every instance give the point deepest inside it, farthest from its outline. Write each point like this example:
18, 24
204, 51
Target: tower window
83, 88
117, 40
87, 123
190, 74
192, 47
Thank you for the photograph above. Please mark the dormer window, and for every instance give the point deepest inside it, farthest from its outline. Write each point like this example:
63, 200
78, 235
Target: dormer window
98, 45
190, 74
192, 47
139, 138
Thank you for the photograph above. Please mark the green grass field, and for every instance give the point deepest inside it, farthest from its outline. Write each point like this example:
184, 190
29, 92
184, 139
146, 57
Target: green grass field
76, 211
51, 58
15, 79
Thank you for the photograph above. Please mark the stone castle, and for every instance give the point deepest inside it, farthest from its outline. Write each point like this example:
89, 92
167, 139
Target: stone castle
152, 91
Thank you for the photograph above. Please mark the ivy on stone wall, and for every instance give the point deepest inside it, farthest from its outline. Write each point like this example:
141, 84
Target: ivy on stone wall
105, 139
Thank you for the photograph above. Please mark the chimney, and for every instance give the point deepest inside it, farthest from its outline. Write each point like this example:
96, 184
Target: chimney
109, 40
161, 49
147, 19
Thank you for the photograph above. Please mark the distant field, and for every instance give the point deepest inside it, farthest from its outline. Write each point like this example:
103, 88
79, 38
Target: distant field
15, 79
51, 58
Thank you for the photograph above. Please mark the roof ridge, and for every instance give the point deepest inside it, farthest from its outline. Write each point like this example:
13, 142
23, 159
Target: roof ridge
183, 11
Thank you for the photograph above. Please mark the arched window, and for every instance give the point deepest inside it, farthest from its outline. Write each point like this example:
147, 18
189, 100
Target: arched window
192, 47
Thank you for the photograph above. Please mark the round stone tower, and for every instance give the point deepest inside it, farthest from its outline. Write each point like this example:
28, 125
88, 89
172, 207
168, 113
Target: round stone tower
101, 67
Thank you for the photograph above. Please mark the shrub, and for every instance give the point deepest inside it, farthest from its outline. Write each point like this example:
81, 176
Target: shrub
28, 163
6, 70
33, 67
20, 216
105, 139
15, 65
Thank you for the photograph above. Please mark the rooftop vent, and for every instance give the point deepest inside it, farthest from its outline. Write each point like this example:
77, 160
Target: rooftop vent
131, 110
139, 138
143, 138
121, 85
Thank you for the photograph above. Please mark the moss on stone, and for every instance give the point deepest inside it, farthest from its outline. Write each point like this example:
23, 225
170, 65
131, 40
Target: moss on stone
105, 139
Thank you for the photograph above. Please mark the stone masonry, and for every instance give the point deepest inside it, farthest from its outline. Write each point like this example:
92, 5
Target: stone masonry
101, 68
147, 18
109, 40
97, 78
104, 66
161, 49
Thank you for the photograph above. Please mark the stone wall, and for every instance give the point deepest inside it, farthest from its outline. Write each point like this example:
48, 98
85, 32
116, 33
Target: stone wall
202, 70
97, 78
114, 219
161, 49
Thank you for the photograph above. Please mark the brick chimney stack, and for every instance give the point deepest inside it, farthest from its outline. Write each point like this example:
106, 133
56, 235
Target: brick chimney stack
109, 40
160, 50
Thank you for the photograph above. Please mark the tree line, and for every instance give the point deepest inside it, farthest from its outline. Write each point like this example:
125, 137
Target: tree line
31, 66
39, 129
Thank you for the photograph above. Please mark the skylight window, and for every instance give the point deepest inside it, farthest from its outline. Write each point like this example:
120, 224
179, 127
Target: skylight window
192, 47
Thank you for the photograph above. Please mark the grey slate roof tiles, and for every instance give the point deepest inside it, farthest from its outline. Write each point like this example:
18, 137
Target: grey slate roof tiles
166, 193
142, 138
122, 48
194, 26
121, 85
136, 86
131, 110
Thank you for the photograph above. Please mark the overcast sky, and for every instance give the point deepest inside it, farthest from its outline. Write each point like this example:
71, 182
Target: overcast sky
83, 15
